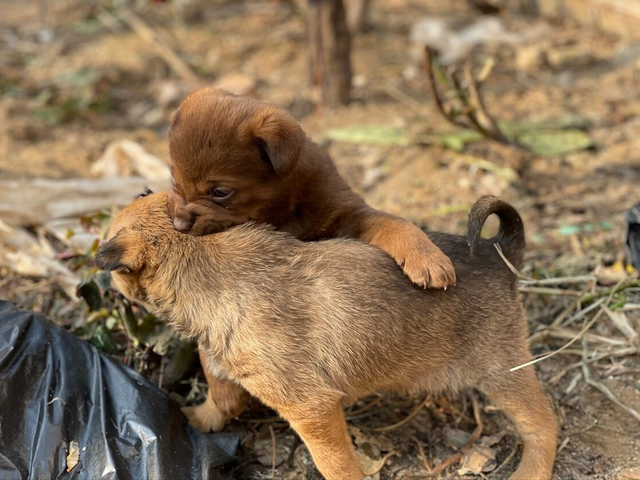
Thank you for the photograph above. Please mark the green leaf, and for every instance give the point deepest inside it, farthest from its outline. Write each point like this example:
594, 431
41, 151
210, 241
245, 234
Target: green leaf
554, 143
546, 138
510, 128
456, 140
111, 322
90, 291
101, 338
160, 339
369, 134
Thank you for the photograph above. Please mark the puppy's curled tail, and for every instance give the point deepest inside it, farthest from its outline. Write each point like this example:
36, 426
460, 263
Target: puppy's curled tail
511, 234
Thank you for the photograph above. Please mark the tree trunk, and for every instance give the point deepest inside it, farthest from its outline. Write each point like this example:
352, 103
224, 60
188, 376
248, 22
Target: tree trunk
330, 49
357, 15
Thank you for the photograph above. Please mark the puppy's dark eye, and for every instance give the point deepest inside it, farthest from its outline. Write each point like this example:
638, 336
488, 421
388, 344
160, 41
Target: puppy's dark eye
221, 193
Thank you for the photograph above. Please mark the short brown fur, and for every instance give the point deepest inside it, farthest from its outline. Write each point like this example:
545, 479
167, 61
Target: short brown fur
275, 174
307, 326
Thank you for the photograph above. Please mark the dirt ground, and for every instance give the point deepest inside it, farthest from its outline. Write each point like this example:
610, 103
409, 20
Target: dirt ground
73, 78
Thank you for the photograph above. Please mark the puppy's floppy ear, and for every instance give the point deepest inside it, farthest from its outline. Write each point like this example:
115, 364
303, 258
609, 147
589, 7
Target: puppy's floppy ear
282, 139
119, 255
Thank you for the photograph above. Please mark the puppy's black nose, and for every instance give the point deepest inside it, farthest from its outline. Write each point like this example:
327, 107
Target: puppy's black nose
182, 225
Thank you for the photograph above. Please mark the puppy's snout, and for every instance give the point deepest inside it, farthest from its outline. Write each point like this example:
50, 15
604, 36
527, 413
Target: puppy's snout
181, 217
183, 224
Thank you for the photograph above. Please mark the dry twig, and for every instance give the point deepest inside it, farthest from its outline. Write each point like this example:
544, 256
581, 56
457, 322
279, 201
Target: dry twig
366, 408
505, 462
273, 452
567, 311
273, 419
161, 376
423, 457
623, 352
487, 126
610, 292
475, 435
433, 88
621, 322
577, 337
586, 373
471, 104
568, 334
403, 97
145, 32
507, 262
551, 291
559, 280
405, 420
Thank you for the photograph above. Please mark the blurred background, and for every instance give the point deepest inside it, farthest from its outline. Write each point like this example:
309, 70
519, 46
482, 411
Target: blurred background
423, 105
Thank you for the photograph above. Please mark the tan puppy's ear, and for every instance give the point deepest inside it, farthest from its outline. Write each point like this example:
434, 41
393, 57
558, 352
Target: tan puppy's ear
282, 140
119, 255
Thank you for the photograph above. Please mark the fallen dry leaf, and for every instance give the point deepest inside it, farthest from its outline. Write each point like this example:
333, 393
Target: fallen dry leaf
457, 438
125, 158
27, 255
263, 449
615, 273
622, 323
74, 455
477, 460
491, 440
371, 466
372, 445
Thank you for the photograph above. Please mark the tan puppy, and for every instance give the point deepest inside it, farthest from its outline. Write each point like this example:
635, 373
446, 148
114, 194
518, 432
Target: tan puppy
237, 159
307, 326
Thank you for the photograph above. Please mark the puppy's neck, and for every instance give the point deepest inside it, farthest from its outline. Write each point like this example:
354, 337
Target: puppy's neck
200, 283
317, 205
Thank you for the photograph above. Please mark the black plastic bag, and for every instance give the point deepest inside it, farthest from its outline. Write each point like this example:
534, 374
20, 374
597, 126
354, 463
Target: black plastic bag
632, 247
56, 389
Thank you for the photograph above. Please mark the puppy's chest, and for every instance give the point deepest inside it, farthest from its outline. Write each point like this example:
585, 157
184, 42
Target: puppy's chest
235, 361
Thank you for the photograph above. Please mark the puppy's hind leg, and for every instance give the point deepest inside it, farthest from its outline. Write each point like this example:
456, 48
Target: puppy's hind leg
225, 400
521, 396
324, 431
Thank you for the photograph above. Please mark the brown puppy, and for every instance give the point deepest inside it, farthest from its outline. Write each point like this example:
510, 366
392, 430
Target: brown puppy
237, 159
305, 327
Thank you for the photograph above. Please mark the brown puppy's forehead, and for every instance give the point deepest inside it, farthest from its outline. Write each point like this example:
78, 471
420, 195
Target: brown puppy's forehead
210, 139
190, 185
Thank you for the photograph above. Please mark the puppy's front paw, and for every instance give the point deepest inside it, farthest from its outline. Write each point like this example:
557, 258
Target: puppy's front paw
421, 260
205, 417
427, 267
410, 247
